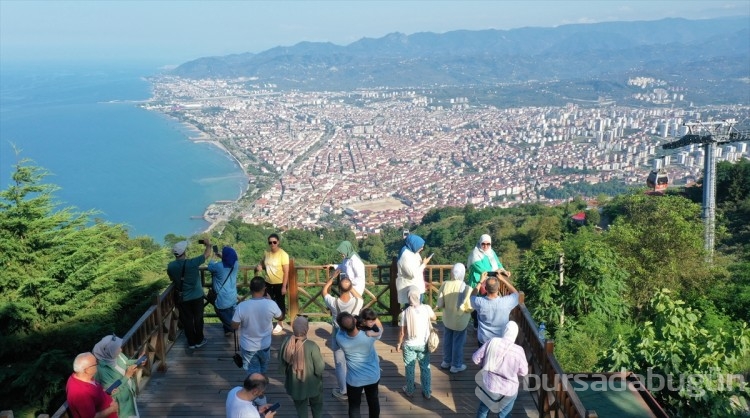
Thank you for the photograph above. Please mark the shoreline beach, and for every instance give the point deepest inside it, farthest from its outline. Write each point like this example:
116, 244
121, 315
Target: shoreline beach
202, 136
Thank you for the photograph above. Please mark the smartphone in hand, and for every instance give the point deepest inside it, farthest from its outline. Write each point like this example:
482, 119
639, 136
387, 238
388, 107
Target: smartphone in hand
142, 360
113, 386
274, 407
216, 249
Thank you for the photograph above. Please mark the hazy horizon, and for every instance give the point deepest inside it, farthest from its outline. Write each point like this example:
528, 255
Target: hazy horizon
162, 33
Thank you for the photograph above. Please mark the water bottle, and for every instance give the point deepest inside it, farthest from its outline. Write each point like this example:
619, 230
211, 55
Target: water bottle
542, 332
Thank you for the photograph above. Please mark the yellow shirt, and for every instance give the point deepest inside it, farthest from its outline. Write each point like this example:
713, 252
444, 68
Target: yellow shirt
274, 262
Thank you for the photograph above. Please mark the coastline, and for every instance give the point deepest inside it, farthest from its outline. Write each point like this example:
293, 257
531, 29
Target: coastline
223, 209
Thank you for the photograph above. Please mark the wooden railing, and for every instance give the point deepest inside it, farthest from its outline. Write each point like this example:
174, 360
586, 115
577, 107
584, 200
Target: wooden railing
156, 330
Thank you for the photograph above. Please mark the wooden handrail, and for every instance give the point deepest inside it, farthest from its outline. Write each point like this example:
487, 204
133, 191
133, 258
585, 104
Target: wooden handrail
156, 330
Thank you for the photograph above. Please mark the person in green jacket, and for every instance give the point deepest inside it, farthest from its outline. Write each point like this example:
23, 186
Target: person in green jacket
115, 366
483, 259
302, 364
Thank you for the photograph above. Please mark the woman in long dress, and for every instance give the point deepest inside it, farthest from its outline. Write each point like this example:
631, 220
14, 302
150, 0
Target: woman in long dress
411, 268
302, 364
114, 366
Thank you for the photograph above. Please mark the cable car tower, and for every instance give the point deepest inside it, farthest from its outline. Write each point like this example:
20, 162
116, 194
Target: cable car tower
709, 134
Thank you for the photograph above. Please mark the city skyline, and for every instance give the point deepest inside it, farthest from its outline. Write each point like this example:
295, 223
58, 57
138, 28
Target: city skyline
170, 33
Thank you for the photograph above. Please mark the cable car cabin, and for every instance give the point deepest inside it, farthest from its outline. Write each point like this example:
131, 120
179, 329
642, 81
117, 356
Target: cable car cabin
658, 180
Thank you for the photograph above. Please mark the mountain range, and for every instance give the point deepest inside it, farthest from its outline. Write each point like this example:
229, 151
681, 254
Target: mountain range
677, 50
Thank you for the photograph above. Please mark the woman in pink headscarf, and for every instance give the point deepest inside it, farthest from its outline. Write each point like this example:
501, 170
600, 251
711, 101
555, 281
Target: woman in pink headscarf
302, 365
502, 362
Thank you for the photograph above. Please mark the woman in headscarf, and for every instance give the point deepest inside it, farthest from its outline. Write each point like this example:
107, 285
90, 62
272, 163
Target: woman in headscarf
453, 298
114, 366
483, 259
415, 326
411, 268
302, 365
224, 283
352, 266
502, 362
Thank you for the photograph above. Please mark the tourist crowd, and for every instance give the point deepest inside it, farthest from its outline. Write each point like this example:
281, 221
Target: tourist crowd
102, 382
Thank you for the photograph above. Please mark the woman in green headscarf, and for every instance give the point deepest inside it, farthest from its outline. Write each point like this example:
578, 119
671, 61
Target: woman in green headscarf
352, 266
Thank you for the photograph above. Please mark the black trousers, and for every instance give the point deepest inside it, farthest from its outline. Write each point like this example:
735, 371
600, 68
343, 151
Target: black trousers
274, 292
355, 399
191, 316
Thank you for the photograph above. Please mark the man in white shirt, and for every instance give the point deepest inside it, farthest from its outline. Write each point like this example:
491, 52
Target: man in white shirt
254, 318
240, 400
350, 302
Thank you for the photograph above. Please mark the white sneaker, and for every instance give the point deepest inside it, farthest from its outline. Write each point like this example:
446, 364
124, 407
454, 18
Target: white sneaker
278, 330
445, 365
458, 369
339, 395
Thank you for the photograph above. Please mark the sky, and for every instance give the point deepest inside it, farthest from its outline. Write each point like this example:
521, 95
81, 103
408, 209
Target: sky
172, 32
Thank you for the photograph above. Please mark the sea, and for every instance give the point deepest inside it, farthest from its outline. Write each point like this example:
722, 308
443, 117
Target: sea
139, 168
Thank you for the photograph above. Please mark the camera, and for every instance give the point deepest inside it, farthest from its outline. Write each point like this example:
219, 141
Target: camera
491, 274
202, 241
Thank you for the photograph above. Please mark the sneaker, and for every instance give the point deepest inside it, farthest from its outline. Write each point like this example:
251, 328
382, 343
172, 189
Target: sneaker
228, 334
201, 344
426, 396
458, 369
445, 365
406, 392
339, 395
278, 330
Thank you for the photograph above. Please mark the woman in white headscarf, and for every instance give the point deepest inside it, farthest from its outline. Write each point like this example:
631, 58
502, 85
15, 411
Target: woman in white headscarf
502, 362
302, 365
483, 259
453, 298
415, 326
114, 366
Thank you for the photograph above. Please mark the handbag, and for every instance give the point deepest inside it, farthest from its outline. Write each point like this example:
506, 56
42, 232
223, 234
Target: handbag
433, 339
212, 295
237, 357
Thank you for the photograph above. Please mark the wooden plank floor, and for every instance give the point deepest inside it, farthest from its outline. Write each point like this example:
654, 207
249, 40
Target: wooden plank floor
197, 381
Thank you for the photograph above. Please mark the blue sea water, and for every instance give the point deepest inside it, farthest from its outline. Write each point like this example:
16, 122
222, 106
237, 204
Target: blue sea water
136, 167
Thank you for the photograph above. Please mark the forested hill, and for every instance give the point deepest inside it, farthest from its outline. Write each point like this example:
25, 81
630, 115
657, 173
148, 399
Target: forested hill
637, 292
684, 52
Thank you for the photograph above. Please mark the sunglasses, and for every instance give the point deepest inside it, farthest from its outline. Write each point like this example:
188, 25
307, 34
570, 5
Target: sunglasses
272, 242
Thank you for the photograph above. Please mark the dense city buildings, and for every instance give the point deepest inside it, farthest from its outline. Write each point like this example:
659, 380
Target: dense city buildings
370, 158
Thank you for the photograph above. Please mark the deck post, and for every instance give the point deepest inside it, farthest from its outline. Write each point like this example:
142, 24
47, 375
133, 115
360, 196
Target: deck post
161, 345
293, 292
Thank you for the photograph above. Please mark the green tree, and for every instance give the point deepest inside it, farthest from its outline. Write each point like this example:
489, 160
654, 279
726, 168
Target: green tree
592, 279
660, 240
66, 281
688, 363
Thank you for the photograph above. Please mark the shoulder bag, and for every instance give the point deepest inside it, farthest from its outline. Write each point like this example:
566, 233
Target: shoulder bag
212, 295
432, 340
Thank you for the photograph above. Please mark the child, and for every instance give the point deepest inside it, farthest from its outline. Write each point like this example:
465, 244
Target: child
369, 322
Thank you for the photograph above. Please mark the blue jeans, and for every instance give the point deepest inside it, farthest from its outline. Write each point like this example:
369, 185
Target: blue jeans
339, 360
225, 315
504, 407
256, 361
453, 346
